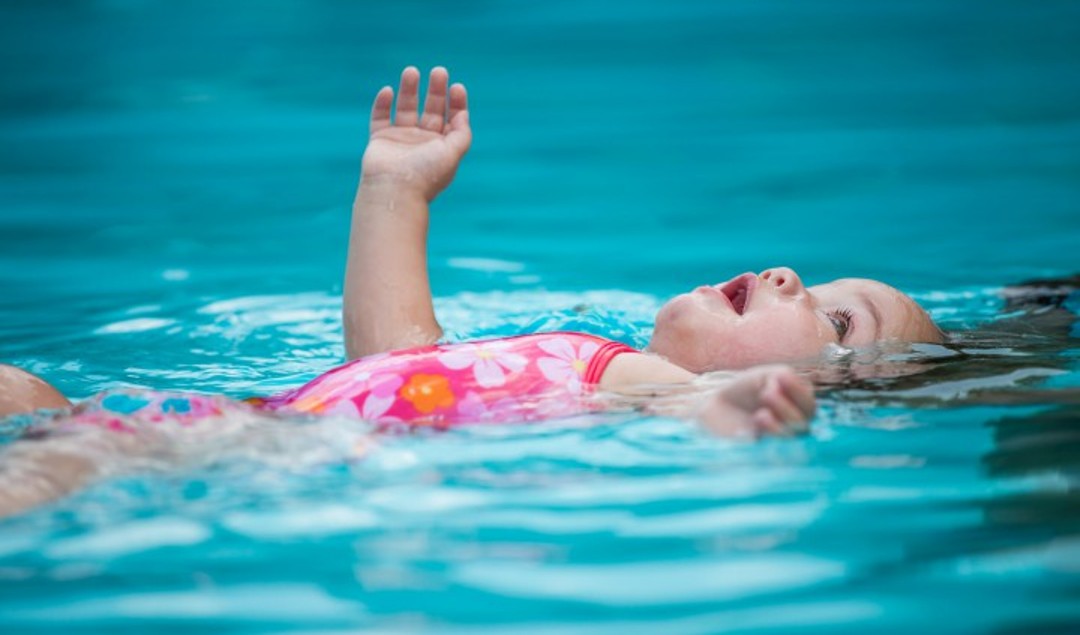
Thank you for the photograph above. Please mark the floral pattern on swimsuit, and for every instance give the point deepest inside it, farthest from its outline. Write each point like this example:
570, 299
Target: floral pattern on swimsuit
522, 378
124, 410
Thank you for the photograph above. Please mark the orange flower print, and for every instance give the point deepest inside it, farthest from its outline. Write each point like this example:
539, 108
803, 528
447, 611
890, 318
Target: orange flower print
427, 392
314, 404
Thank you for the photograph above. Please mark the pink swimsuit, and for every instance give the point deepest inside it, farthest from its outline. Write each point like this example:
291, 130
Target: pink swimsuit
521, 378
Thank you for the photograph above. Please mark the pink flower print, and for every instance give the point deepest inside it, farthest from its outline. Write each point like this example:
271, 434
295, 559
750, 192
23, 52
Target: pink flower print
472, 408
342, 380
566, 366
344, 408
372, 404
381, 397
489, 360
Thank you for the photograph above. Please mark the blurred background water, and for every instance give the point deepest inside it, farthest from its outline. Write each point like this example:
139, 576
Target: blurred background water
175, 189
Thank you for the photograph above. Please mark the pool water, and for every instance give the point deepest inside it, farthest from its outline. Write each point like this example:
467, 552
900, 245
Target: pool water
175, 191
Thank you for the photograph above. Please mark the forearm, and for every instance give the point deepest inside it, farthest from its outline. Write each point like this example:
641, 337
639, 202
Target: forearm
410, 158
764, 400
387, 295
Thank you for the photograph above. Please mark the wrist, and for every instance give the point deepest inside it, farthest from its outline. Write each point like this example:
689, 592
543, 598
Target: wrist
394, 185
382, 200
391, 197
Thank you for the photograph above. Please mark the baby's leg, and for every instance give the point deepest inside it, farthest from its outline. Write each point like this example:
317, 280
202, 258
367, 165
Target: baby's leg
34, 472
21, 392
56, 456
49, 463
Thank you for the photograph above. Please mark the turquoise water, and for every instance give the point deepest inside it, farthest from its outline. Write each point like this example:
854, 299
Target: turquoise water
174, 202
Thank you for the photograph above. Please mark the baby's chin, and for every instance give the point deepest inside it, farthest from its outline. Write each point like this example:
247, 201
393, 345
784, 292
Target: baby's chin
676, 355
679, 313
675, 342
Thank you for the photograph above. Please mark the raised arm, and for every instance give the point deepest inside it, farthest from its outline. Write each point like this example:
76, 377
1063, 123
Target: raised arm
410, 158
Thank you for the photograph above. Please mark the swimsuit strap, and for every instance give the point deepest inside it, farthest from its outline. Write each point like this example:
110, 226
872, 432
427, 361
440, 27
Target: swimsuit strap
609, 350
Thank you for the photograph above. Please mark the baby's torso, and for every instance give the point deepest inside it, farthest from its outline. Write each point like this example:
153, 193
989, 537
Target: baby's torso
524, 378
521, 378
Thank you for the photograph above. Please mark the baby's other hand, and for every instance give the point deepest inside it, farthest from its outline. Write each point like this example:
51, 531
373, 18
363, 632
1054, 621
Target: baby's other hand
418, 150
769, 400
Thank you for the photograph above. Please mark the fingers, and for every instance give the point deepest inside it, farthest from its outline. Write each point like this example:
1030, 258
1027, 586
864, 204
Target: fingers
434, 117
800, 391
766, 423
459, 134
459, 106
408, 97
775, 399
769, 400
788, 400
380, 110
446, 108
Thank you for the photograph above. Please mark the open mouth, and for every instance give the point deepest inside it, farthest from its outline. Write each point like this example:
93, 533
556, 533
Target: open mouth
738, 291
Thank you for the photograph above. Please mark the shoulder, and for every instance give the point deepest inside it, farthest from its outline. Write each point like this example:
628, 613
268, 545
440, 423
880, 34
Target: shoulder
636, 369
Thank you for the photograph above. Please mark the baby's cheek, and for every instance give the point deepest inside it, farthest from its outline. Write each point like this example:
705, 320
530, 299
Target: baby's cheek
775, 345
803, 344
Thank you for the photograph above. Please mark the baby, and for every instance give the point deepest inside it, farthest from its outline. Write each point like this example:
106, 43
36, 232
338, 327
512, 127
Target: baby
413, 155
400, 373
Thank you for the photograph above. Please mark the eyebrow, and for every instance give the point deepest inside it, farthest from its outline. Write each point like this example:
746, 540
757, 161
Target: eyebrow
875, 313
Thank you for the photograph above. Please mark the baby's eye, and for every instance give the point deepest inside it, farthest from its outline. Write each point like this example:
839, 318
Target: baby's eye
841, 321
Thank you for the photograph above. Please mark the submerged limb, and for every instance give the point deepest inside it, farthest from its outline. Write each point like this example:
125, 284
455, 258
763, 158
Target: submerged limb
51, 464
32, 473
36, 472
143, 432
769, 400
30, 478
763, 401
64, 450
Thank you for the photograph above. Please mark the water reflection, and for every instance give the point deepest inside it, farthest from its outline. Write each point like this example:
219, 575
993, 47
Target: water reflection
1043, 447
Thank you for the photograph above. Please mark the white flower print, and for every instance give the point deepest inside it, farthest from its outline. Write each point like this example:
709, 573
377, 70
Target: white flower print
489, 360
566, 365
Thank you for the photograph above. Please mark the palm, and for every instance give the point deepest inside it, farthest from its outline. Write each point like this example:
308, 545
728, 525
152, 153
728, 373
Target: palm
421, 149
415, 150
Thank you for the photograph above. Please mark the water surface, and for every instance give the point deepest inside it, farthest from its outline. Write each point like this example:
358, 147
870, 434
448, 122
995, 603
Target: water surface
175, 190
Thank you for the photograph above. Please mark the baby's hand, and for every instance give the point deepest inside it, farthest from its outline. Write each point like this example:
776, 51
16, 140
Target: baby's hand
419, 151
770, 400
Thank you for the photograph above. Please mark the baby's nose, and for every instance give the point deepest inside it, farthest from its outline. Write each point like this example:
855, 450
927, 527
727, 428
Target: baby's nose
785, 280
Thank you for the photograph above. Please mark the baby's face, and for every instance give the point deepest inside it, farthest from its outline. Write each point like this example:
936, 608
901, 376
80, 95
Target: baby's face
757, 319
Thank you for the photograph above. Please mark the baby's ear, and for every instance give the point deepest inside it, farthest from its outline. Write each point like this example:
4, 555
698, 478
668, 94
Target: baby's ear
22, 392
